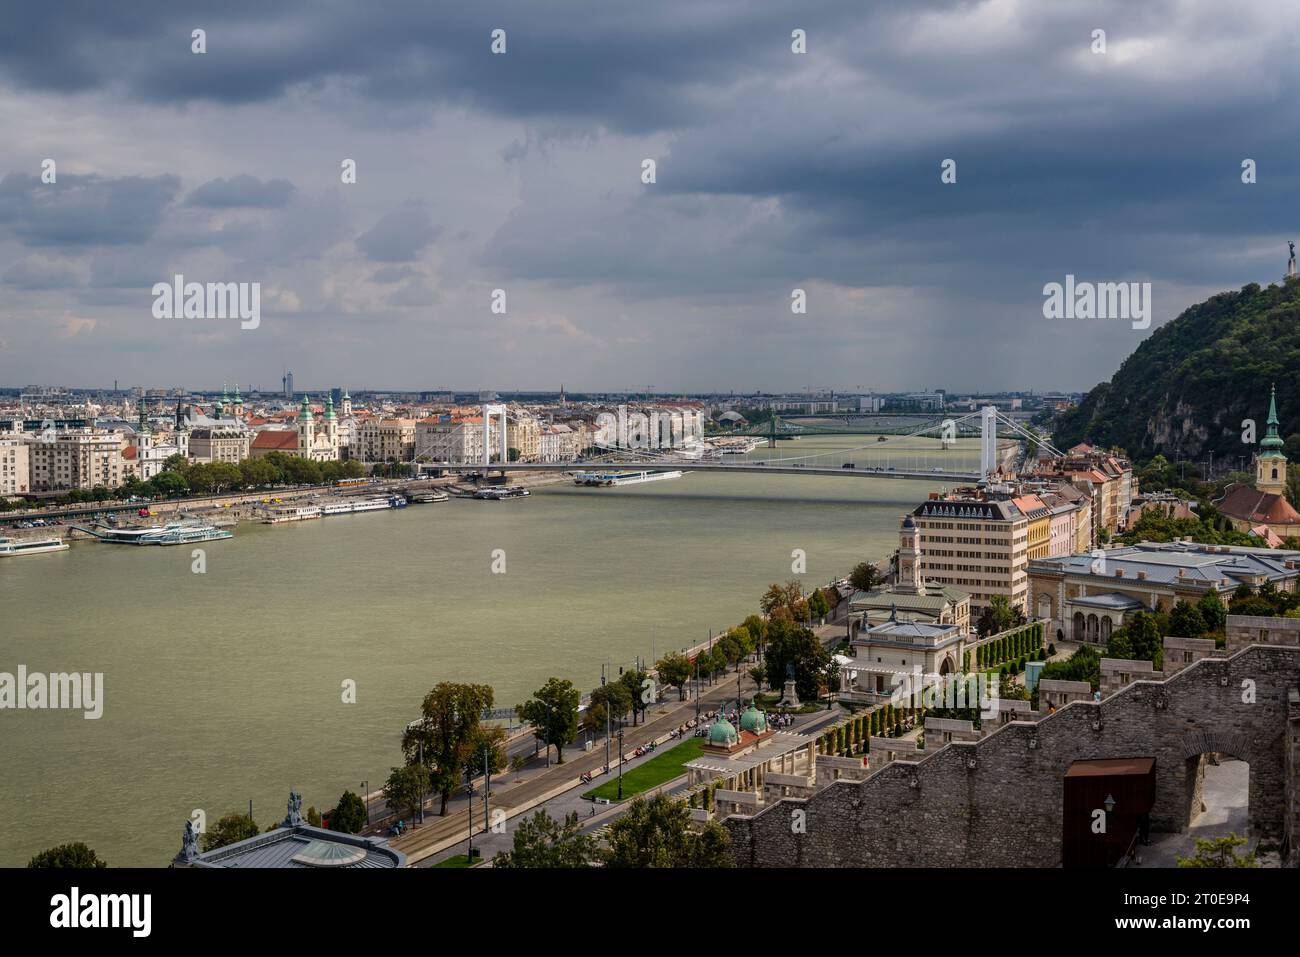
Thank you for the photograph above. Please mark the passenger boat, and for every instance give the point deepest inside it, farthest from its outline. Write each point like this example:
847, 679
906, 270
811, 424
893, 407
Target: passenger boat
292, 513
622, 478
496, 494
424, 496
33, 546
173, 533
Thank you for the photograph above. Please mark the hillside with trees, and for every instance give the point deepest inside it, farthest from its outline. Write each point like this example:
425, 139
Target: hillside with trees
1184, 392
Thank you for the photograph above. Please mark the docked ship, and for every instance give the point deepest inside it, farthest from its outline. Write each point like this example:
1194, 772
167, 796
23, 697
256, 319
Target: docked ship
502, 492
33, 546
622, 478
292, 513
173, 533
425, 496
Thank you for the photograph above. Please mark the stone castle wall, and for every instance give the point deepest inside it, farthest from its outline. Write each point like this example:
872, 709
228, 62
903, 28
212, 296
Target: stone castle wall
998, 802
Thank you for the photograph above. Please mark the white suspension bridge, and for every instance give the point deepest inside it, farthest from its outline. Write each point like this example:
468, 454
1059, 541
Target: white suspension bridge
894, 457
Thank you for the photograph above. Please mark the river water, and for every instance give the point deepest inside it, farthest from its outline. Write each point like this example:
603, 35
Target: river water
226, 686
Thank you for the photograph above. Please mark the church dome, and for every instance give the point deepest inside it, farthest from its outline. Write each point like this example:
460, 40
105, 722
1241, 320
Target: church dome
753, 721
723, 732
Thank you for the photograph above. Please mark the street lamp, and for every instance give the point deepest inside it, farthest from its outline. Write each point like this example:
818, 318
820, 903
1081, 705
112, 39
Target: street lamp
365, 791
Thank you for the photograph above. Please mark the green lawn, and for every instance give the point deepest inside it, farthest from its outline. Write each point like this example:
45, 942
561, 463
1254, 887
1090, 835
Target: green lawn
662, 767
456, 860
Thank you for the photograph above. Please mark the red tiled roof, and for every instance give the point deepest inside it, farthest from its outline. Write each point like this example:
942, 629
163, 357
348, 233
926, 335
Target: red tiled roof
276, 440
1251, 505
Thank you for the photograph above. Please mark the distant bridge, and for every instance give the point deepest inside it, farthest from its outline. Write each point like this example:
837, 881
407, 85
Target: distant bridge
886, 457
749, 465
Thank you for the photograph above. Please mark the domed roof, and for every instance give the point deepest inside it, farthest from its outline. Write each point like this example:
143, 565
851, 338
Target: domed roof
723, 732
753, 721
908, 523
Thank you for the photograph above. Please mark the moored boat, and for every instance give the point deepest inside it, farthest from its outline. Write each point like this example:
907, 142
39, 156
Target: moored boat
10, 547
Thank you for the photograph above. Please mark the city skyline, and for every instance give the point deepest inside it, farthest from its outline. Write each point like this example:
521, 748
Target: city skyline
522, 171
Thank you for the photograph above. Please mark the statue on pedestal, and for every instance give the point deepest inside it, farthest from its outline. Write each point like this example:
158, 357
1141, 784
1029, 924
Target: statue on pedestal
1290, 265
189, 843
294, 817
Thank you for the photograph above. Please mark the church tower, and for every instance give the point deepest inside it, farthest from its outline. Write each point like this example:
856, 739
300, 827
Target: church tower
331, 425
911, 580
238, 403
346, 403
1270, 463
306, 429
143, 434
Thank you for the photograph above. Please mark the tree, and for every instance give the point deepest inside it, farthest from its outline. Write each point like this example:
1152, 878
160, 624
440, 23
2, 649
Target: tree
445, 733
230, 829
1212, 611
541, 841
675, 670
635, 682
1186, 620
817, 605
1219, 852
865, 577
349, 816
553, 713
407, 787
1145, 636
794, 648
74, 856
733, 649
772, 599
493, 741
757, 629
656, 833
1119, 646
998, 616
613, 698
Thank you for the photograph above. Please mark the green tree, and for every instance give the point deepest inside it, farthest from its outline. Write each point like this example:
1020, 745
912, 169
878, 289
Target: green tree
543, 842
406, 788
74, 856
1212, 611
229, 829
349, 816
817, 606
635, 682
675, 670
791, 647
865, 577
553, 713
1145, 636
657, 833
1219, 852
1186, 621
446, 732
490, 741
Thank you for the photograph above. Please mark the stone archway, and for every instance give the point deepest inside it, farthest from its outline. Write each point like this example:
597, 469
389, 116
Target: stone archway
1200, 750
947, 667
1079, 632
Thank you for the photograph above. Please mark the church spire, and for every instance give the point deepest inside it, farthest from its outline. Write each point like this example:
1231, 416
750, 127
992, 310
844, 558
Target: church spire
1272, 441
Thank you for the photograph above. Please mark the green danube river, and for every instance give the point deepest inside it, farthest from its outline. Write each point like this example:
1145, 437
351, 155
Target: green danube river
227, 686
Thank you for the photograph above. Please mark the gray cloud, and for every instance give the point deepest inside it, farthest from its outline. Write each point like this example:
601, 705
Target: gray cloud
400, 235
240, 191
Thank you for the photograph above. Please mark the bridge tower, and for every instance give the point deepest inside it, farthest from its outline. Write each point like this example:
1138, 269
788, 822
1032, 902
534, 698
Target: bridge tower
988, 442
489, 412
771, 435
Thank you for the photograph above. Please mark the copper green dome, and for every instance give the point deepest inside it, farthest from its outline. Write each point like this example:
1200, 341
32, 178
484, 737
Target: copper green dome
753, 721
723, 732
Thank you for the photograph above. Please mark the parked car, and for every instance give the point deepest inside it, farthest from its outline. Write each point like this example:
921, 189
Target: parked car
848, 465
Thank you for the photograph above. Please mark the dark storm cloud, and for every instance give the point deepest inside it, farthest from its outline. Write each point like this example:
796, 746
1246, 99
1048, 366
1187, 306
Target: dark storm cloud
243, 190
84, 210
775, 170
400, 235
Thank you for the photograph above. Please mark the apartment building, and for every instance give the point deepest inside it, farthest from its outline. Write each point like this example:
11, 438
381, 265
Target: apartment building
446, 439
1040, 525
15, 467
976, 544
524, 434
220, 444
80, 458
383, 440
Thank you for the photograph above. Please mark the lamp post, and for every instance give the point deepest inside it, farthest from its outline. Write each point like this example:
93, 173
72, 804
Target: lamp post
487, 786
469, 790
620, 764
365, 791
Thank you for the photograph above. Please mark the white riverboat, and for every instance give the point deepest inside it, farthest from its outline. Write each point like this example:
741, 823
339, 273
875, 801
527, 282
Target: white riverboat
173, 533
292, 513
606, 479
10, 547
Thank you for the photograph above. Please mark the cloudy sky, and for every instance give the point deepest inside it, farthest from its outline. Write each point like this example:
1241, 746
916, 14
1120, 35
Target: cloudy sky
522, 171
